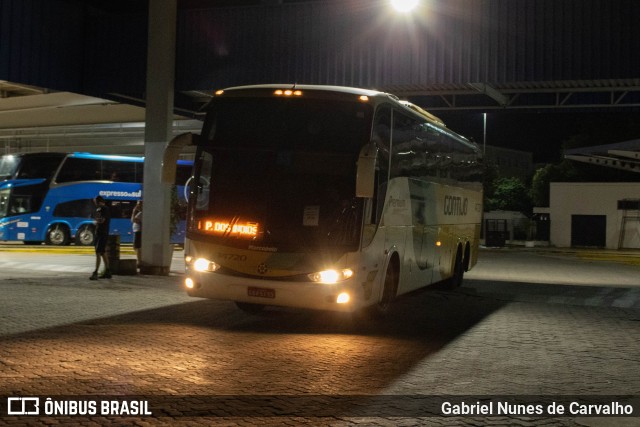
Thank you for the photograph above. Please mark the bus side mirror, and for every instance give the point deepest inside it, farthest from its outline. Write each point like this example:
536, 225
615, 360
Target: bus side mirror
365, 175
171, 153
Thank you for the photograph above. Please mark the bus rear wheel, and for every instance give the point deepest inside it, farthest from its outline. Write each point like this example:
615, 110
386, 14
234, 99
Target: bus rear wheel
458, 272
57, 235
86, 235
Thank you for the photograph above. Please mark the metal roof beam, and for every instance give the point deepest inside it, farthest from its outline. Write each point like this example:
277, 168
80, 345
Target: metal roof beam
635, 155
492, 92
610, 162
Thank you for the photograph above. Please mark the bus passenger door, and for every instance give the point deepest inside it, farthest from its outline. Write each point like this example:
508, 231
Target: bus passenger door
424, 234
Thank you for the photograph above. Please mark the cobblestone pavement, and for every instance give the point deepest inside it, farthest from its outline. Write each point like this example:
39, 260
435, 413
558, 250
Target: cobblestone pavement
519, 327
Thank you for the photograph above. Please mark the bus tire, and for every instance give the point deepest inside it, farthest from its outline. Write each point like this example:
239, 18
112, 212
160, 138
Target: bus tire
389, 290
250, 308
458, 272
467, 256
58, 235
86, 235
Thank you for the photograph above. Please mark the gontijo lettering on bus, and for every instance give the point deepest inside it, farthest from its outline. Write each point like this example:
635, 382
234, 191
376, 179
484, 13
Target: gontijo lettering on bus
455, 205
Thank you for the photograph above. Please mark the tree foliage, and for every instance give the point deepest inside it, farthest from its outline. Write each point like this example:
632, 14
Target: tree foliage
509, 194
564, 171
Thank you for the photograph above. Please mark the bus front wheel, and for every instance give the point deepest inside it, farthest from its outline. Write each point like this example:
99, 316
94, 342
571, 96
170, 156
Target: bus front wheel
57, 235
86, 235
392, 275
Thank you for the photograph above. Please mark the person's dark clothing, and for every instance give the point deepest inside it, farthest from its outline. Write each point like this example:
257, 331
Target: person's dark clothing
103, 218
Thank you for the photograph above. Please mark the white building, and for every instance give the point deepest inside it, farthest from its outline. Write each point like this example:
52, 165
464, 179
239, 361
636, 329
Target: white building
596, 214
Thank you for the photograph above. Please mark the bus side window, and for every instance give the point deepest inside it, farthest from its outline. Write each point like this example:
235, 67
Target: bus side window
122, 208
408, 148
76, 169
82, 208
20, 204
120, 171
126, 208
114, 208
381, 136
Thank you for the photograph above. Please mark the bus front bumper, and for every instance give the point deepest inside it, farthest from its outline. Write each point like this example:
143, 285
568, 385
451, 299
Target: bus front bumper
346, 296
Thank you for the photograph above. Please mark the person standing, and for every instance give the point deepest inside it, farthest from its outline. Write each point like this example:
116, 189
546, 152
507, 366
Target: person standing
136, 226
102, 218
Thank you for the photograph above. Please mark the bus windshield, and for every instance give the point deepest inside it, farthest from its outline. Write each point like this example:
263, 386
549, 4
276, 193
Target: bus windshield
29, 166
8, 166
283, 170
4, 202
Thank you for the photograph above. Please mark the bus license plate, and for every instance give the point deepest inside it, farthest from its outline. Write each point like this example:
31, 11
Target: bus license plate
261, 292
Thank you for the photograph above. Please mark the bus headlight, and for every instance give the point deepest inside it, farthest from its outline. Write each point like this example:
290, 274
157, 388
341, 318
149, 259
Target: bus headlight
331, 276
343, 298
203, 265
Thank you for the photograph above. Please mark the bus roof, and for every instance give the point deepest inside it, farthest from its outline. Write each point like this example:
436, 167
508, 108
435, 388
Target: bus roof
83, 155
107, 157
320, 88
340, 91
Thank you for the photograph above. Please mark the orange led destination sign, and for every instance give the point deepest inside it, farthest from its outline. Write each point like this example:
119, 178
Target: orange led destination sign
235, 228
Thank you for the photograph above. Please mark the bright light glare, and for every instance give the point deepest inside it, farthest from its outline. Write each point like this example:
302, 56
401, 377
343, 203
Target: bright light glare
202, 265
188, 282
404, 5
331, 276
343, 298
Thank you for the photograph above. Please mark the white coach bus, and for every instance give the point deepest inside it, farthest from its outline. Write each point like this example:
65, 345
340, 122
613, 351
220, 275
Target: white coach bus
329, 198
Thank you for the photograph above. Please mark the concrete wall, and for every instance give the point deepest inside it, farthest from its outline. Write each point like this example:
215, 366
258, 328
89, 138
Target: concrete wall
569, 198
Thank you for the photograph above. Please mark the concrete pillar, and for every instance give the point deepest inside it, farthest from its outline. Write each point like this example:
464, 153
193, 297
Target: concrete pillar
156, 246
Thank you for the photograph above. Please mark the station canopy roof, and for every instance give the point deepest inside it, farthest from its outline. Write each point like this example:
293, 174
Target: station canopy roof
623, 155
70, 122
33, 114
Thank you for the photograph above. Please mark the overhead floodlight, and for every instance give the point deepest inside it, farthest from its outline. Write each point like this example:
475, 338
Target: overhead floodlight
404, 6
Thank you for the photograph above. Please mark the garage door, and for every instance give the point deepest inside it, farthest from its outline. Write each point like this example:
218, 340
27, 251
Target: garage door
589, 230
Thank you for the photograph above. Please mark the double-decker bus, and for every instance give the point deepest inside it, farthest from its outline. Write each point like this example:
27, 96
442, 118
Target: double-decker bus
329, 198
48, 197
